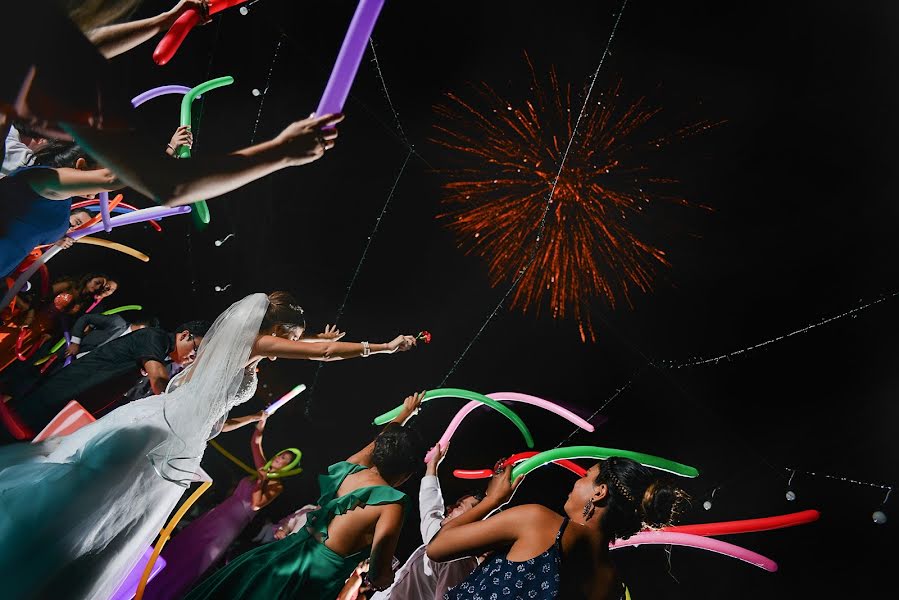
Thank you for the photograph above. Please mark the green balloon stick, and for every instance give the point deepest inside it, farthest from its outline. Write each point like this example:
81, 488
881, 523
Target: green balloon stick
647, 460
466, 395
200, 212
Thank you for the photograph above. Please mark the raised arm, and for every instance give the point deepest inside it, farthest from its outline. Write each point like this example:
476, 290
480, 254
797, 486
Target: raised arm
158, 375
383, 547
113, 40
470, 534
85, 320
410, 407
136, 161
271, 346
431, 507
63, 183
256, 443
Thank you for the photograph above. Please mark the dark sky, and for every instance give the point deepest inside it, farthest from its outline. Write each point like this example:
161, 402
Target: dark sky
801, 184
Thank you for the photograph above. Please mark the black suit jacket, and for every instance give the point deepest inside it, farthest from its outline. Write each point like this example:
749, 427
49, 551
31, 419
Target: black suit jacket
103, 329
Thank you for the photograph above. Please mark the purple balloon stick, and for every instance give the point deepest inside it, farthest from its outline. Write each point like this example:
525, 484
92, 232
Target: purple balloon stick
137, 216
350, 56
158, 91
104, 211
68, 337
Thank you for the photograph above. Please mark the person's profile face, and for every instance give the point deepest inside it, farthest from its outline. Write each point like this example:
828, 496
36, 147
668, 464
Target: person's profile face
77, 220
95, 285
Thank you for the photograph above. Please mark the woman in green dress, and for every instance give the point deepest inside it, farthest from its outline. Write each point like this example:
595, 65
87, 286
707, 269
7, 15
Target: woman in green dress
360, 515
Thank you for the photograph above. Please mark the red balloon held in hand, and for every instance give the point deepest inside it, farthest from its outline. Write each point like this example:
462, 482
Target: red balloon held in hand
189, 19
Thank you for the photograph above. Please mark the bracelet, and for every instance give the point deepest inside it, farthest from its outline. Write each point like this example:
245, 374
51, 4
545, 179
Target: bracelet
366, 349
367, 582
170, 147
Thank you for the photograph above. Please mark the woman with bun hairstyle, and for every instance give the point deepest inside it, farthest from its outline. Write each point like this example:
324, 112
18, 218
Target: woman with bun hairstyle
542, 554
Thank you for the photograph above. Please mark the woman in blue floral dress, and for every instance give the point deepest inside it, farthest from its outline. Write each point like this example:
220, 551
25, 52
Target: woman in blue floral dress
540, 554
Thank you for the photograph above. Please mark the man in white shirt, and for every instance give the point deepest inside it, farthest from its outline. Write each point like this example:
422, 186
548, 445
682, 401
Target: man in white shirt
420, 578
17, 153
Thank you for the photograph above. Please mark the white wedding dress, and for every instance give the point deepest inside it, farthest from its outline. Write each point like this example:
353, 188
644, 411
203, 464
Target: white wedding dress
77, 512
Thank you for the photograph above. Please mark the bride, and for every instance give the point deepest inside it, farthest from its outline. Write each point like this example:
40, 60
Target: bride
77, 512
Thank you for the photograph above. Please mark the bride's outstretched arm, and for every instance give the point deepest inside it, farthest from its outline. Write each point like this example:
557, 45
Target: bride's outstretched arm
270, 346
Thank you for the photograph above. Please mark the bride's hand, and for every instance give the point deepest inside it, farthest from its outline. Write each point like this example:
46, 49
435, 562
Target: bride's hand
401, 343
331, 333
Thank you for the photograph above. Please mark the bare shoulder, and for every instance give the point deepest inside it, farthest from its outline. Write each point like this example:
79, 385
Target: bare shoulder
533, 513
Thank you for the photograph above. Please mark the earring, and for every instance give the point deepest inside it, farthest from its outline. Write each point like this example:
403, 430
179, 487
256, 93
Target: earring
589, 509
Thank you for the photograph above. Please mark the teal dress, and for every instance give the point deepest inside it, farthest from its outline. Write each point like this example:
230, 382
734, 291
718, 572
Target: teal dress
300, 566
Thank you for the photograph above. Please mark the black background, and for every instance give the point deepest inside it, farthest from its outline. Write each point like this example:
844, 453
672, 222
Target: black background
803, 192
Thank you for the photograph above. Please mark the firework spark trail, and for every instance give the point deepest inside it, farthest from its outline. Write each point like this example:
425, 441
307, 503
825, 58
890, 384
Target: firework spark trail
522, 272
599, 189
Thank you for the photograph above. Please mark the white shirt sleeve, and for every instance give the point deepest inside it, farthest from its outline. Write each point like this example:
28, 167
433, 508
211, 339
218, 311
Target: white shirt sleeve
430, 507
16, 155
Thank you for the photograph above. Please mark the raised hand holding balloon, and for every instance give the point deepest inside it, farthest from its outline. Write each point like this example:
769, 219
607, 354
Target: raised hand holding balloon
201, 213
176, 34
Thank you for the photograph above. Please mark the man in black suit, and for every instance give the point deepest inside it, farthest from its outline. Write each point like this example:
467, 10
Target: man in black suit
103, 328
147, 349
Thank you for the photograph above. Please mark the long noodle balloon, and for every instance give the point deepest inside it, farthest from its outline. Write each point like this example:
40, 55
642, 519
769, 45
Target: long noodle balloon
157, 92
104, 210
92, 241
288, 470
201, 213
123, 207
97, 218
467, 395
648, 460
165, 534
350, 56
511, 397
27, 273
514, 459
176, 34
747, 525
696, 541
138, 216
233, 458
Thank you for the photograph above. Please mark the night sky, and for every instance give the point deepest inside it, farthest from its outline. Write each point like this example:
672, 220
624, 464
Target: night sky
800, 181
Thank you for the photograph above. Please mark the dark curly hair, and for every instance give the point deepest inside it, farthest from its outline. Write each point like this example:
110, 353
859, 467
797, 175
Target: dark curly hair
636, 497
398, 451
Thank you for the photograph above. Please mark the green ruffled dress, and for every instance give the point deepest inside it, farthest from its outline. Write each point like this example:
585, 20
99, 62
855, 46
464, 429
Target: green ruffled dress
300, 566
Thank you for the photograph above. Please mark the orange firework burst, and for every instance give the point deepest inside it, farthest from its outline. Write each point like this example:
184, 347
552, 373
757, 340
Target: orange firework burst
510, 156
